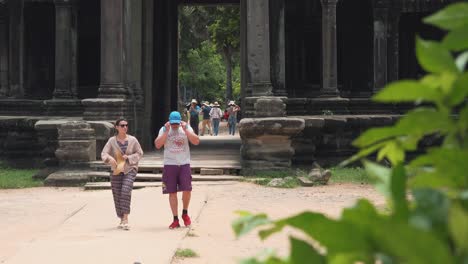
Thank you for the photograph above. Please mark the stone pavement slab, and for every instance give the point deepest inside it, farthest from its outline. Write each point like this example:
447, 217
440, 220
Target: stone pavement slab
83, 230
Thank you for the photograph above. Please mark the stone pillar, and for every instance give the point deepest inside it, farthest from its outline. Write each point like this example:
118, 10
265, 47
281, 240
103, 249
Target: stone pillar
392, 44
329, 49
278, 49
16, 48
112, 50
113, 91
65, 50
258, 47
258, 63
3, 50
65, 101
245, 79
380, 44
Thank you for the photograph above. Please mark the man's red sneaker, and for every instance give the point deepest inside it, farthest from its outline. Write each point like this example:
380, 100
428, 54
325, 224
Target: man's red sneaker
187, 221
174, 224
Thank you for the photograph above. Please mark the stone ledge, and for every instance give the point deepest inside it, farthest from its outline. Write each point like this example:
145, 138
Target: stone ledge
282, 126
67, 178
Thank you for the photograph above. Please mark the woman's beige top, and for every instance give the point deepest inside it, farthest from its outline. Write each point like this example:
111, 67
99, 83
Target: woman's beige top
134, 153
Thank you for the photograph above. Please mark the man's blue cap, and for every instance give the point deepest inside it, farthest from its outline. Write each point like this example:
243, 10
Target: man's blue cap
175, 118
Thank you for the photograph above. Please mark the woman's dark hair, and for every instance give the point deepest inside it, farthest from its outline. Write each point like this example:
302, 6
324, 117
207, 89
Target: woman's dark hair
120, 120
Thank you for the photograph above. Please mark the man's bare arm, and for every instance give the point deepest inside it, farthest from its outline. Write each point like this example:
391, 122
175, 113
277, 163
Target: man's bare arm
161, 139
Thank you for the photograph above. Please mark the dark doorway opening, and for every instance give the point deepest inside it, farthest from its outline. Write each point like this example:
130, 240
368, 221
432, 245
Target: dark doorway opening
89, 48
411, 25
355, 47
303, 29
39, 79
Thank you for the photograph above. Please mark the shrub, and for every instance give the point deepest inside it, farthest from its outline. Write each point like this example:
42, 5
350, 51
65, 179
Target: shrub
432, 227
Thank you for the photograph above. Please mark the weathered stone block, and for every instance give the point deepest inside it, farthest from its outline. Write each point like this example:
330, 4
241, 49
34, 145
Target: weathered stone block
77, 143
207, 171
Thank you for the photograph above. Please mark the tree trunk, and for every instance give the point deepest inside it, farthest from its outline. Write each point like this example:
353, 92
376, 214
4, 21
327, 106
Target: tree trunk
228, 59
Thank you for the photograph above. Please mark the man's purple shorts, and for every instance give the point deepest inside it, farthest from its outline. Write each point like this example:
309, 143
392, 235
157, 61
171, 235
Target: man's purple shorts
176, 178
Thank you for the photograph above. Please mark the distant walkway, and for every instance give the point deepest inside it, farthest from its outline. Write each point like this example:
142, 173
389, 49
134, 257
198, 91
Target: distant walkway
212, 152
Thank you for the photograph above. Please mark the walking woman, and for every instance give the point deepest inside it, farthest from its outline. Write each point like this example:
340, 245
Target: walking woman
122, 152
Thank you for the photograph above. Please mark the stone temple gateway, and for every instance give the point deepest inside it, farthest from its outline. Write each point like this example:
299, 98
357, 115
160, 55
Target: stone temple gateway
309, 68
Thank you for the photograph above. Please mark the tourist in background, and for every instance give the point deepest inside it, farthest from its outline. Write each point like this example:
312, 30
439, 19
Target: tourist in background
193, 112
175, 136
216, 114
122, 152
206, 118
232, 119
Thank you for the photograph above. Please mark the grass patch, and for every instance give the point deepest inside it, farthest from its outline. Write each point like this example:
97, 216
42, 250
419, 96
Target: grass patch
185, 253
11, 178
274, 174
278, 179
353, 175
190, 234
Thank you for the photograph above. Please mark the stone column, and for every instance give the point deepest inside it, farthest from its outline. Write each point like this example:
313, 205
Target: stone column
258, 47
112, 50
112, 102
392, 44
16, 48
3, 50
262, 103
65, 50
380, 44
278, 50
329, 49
65, 101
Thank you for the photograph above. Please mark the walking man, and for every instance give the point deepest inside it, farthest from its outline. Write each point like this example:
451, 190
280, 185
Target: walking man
175, 136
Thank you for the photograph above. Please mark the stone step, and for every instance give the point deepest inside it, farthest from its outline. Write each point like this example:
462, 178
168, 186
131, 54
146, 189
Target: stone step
150, 177
227, 167
90, 186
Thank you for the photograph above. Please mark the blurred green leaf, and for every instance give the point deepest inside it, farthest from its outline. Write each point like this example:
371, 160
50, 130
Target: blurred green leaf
457, 39
448, 164
392, 151
398, 189
381, 177
362, 154
407, 91
433, 57
461, 60
407, 244
247, 222
419, 122
460, 90
451, 17
375, 135
431, 210
302, 252
336, 236
458, 219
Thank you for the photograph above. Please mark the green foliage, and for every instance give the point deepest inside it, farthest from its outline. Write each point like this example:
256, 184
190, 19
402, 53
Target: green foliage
185, 253
11, 178
432, 226
209, 51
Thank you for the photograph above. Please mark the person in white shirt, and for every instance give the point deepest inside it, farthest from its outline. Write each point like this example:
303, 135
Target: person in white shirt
216, 115
175, 136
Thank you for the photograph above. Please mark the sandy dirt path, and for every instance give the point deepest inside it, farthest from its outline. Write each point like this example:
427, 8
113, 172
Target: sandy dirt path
69, 225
